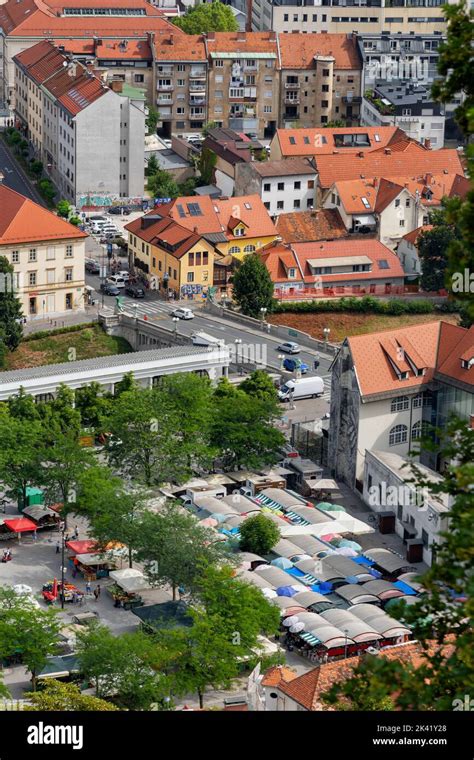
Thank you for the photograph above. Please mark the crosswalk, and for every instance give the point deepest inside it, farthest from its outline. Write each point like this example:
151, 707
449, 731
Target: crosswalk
327, 387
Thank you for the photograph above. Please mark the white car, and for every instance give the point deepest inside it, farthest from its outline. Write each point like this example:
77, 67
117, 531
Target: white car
124, 275
289, 347
114, 279
182, 313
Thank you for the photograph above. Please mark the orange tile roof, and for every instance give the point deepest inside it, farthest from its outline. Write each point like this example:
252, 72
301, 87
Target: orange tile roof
412, 237
317, 141
378, 194
86, 47
178, 47
373, 249
303, 689
278, 260
277, 674
395, 165
301, 226
164, 230
221, 215
234, 42
23, 221
135, 50
298, 51
438, 346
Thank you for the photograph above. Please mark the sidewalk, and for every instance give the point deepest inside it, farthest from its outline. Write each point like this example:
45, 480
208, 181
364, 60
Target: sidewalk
54, 323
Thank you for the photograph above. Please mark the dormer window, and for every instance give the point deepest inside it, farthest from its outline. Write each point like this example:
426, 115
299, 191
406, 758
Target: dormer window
467, 363
292, 273
239, 231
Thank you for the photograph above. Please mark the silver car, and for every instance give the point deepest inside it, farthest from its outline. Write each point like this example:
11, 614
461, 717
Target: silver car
289, 348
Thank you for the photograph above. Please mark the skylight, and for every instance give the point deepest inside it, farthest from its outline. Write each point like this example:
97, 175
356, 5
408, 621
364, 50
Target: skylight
365, 202
383, 264
292, 141
194, 209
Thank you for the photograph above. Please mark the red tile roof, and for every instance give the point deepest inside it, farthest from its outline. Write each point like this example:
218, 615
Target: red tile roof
414, 164
438, 346
348, 247
412, 237
302, 226
179, 47
377, 193
317, 141
23, 221
242, 42
134, 50
277, 674
298, 51
164, 230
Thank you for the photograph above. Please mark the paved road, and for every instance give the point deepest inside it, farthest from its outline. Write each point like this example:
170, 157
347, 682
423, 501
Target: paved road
14, 176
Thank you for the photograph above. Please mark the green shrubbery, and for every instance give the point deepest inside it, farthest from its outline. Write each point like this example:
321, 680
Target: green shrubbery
365, 305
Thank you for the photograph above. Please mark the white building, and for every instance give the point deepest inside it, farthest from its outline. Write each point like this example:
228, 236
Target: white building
284, 186
407, 252
419, 513
89, 137
47, 255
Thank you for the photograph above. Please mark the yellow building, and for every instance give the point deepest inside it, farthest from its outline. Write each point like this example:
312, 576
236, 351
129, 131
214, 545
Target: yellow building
172, 257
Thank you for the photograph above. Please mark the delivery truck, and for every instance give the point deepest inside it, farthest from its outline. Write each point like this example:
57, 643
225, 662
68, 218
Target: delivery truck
305, 387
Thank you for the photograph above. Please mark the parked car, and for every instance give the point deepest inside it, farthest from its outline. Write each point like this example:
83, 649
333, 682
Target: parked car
135, 291
114, 279
182, 313
124, 275
293, 364
109, 289
92, 267
125, 210
289, 347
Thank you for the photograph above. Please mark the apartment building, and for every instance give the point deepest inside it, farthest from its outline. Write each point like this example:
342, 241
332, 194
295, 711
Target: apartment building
388, 386
320, 79
24, 22
310, 142
344, 16
180, 88
408, 106
283, 186
243, 81
47, 256
89, 137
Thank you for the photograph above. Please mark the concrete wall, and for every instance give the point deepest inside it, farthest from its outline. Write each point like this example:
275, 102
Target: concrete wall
98, 165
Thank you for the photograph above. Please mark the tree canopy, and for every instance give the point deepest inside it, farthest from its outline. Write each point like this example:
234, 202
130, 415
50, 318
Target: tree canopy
55, 696
11, 311
207, 17
252, 286
259, 535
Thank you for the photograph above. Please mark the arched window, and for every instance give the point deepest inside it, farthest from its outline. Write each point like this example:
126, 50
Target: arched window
398, 434
235, 249
417, 401
416, 431
399, 404
249, 249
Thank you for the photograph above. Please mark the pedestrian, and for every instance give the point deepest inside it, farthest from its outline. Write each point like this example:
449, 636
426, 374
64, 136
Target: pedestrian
98, 591
96, 595
88, 587
74, 571
76, 532
58, 546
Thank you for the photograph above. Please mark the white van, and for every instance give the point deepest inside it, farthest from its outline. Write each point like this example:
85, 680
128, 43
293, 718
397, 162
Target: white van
304, 387
114, 279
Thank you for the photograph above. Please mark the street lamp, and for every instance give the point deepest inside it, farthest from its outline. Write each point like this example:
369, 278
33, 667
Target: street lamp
62, 568
175, 325
237, 343
263, 311
326, 332
281, 357
345, 645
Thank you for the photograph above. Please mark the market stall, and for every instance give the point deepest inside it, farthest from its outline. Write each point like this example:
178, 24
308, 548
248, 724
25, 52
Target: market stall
19, 525
125, 591
94, 566
42, 516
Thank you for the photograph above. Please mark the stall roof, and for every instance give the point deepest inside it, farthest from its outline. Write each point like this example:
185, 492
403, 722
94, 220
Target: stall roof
357, 629
387, 560
129, 579
382, 589
164, 615
20, 525
57, 667
274, 576
252, 577
285, 548
38, 511
284, 498
379, 620
94, 559
81, 547
356, 594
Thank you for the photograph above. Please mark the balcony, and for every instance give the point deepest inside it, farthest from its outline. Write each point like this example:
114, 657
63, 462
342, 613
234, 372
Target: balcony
292, 85
161, 101
197, 101
292, 101
165, 87
197, 73
197, 87
291, 116
351, 100
197, 113
236, 93
164, 71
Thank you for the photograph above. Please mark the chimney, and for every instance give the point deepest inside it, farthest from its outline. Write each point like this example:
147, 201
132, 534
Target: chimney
116, 86
376, 181
241, 36
427, 143
388, 152
195, 229
272, 36
360, 154
211, 36
406, 185
171, 38
2, 177
428, 179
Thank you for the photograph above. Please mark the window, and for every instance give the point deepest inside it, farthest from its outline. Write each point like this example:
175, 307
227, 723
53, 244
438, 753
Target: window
32, 305
397, 435
297, 204
267, 205
32, 254
205, 257
191, 259
267, 187
218, 78
190, 277
267, 109
400, 512
234, 249
50, 276
402, 222
285, 17
297, 185
424, 538
181, 67
311, 184
399, 404
15, 257
68, 274
68, 300
138, 78
280, 205
69, 251
406, 111
31, 278
181, 82
324, 103
249, 249
325, 88
397, 202
219, 64
220, 93
198, 258
416, 431
268, 94
239, 232
315, 17
281, 186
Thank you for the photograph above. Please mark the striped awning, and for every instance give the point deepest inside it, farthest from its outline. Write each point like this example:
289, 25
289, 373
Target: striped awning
310, 639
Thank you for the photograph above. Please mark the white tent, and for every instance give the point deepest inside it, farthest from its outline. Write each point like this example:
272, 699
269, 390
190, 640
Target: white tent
130, 580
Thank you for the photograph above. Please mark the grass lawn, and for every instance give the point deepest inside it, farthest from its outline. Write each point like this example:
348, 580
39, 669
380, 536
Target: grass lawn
60, 347
345, 324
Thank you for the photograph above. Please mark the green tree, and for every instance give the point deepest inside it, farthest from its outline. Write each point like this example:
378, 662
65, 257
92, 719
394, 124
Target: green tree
75, 221
455, 64
173, 547
127, 383
260, 385
187, 187
63, 209
10, 307
446, 672
152, 166
206, 165
22, 406
207, 17
243, 430
60, 415
36, 168
4, 693
152, 120
25, 629
47, 190
55, 696
64, 462
258, 534
252, 286
94, 406
433, 246
162, 185
145, 440
20, 461
208, 126
126, 668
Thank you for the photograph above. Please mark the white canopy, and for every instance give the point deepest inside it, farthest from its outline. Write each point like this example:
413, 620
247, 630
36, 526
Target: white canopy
129, 579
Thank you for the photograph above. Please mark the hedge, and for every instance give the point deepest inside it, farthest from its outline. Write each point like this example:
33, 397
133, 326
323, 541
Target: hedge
365, 305
58, 331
